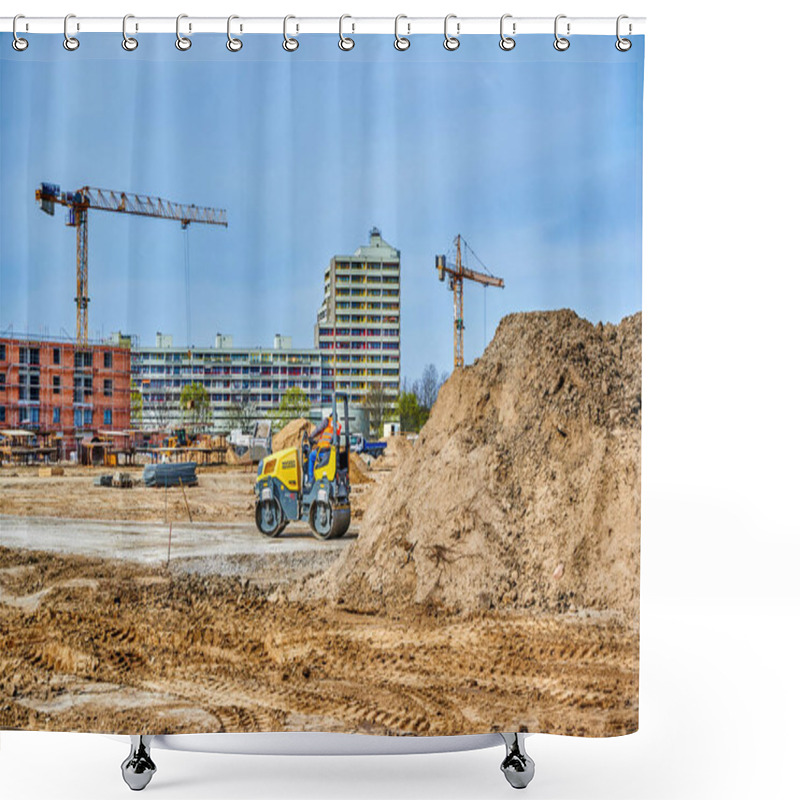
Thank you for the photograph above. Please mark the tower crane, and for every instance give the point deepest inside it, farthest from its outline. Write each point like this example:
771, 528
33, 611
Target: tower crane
457, 274
78, 203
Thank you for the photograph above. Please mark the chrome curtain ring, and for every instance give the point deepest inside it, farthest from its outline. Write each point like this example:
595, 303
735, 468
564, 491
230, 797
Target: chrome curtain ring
507, 42
233, 44
401, 42
623, 45
181, 42
345, 42
450, 42
18, 43
128, 42
70, 42
289, 44
561, 43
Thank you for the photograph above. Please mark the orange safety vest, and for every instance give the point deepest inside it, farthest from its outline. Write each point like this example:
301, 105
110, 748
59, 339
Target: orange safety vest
326, 437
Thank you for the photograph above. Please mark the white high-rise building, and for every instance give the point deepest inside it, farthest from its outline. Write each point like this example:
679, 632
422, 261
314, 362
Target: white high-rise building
358, 323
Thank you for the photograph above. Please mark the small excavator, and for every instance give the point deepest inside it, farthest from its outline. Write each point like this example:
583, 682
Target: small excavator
285, 492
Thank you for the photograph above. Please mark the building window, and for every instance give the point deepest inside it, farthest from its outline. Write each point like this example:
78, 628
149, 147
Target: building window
108, 387
107, 416
2, 352
2, 413
2, 381
56, 416
77, 418
56, 384
87, 417
56, 355
29, 355
107, 359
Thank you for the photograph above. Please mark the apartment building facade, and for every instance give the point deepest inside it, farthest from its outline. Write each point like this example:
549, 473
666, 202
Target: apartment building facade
356, 346
240, 382
359, 319
53, 386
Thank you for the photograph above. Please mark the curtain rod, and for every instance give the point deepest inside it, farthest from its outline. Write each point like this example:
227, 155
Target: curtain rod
406, 25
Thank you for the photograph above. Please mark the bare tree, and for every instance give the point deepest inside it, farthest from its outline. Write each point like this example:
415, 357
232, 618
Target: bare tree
243, 412
427, 388
377, 404
160, 413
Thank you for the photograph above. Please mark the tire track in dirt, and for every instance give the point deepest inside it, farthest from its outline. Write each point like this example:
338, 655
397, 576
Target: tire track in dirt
216, 653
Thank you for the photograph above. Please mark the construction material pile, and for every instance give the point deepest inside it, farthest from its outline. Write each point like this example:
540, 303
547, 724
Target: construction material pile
358, 470
291, 434
182, 474
523, 489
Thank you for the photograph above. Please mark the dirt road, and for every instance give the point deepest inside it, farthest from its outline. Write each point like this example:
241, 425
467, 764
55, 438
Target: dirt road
148, 542
96, 645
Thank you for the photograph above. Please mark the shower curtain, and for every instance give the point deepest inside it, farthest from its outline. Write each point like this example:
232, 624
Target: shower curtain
320, 385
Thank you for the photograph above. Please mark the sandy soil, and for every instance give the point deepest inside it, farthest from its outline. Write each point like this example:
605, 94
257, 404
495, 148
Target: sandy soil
223, 494
490, 581
94, 645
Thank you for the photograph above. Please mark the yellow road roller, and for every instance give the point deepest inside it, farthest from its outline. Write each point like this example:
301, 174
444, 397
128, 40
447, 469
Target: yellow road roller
285, 491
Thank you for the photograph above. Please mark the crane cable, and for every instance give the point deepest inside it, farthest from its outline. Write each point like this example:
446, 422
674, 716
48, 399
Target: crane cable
186, 274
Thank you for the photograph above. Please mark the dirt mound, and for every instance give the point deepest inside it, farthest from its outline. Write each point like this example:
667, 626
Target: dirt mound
397, 448
523, 489
291, 434
358, 470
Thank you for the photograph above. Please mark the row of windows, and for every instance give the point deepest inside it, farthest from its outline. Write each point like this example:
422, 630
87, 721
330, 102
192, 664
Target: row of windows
359, 332
32, 356
368, 306
359, 265
81, 418
369, 280
149, 369
203, 359
360, 345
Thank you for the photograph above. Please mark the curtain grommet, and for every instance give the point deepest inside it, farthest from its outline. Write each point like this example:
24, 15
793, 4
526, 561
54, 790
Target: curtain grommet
561, 43
129, 43
401, 43
70, 43
451, 43
183, 43
345, 42
507, 42
290, 44
17, 42
233, 44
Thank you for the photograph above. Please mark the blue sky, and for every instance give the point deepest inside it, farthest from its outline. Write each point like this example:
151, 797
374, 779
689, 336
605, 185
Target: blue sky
533, 156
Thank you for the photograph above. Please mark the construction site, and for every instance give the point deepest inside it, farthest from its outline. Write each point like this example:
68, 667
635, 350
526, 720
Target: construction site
168, 575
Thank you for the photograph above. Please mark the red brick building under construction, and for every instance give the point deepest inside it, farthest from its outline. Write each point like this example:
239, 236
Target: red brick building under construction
57, 387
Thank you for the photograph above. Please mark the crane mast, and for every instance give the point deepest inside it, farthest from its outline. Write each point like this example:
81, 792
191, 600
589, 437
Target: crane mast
78, 203
457, 275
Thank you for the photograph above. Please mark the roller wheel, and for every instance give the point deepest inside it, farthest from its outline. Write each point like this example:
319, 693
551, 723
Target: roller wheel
327, 522
269, 518
341, 521
320, 518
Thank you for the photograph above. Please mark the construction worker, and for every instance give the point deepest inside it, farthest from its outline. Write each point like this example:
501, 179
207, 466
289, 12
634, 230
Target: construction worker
321, 438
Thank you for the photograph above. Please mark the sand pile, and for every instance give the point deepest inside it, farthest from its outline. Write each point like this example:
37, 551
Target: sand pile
291, 434
523, 489
358, 470
397, 448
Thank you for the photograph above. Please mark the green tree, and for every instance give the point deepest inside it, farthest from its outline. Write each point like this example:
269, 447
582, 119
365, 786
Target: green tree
412, 415
136, 405
294, 404
196, 406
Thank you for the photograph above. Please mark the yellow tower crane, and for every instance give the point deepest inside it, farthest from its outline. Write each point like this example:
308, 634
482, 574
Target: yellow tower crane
78, 203
457, 275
